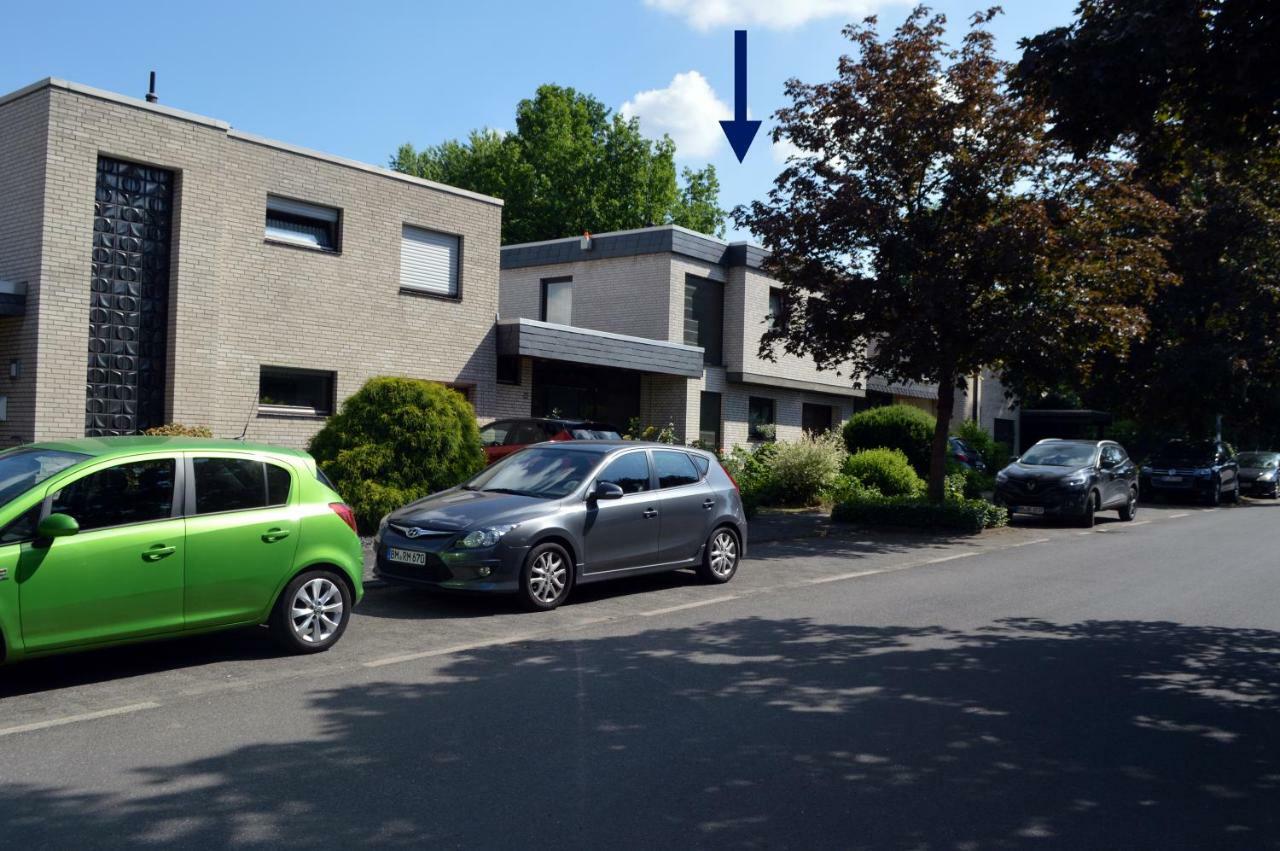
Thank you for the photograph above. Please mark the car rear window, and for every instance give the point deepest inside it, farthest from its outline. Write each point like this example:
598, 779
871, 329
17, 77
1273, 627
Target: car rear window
674, 469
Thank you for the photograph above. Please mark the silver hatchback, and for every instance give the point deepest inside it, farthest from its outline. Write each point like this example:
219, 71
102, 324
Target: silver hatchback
556, 515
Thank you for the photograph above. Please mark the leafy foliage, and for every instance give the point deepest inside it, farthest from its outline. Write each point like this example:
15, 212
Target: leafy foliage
959, 515
397, 440
753, 471
886, 471
572, 165
178, 430
651, 433
901, 427
803, 470
927, 231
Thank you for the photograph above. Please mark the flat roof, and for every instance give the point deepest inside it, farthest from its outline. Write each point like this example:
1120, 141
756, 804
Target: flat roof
215, 124
659, 239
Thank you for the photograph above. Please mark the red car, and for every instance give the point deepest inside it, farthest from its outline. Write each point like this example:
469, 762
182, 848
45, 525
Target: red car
503, 437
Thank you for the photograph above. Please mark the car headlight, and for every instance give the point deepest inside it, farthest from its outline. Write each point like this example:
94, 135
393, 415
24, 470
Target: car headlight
1204, 471
484, 537
1268, 476
1002, 477
1079, 480
1146, 471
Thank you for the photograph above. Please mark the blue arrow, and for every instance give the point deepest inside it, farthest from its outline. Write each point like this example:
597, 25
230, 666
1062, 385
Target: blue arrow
740, 131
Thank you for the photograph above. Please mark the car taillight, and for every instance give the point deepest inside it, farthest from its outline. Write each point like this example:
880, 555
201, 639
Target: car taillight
731, 479
960, 456
344, 511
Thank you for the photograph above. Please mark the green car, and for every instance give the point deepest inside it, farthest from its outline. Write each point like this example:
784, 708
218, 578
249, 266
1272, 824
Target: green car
122, 539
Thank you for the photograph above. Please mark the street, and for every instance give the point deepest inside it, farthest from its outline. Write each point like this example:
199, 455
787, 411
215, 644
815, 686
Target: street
1038, 686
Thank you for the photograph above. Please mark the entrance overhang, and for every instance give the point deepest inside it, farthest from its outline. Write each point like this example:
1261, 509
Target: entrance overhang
549, 341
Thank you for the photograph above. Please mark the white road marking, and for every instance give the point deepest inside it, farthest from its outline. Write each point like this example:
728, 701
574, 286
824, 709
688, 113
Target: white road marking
1028, 543
1176, 516
941, 559
1133, 523
843, 576
446, 651
694, 605
75, 719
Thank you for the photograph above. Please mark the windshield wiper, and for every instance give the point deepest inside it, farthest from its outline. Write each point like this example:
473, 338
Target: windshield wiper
511, 491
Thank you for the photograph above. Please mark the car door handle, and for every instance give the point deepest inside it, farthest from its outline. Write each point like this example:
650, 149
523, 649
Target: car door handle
708, 503
273, 535
158, 552
650, 513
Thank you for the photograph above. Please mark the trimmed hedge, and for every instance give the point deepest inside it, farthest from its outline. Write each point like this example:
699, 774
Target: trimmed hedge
885, 470
178, 430
900, 427
397, 440
958, 515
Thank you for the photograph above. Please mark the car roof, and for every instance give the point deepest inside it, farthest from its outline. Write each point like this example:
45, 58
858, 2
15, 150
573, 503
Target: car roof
602, 447
1074, 441
106, 447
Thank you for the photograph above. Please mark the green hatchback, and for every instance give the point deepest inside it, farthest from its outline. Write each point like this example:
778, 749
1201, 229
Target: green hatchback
121, 539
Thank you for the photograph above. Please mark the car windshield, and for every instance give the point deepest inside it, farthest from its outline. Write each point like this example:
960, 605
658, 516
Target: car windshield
1060, 455
594, 433
1259, 460
23, 469
1197, 452
544, 472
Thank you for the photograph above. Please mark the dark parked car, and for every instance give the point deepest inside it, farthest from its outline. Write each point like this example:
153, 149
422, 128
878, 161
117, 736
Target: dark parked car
965, 455
561, 514
1258, 473
1203, 469
503, 437
1070, 478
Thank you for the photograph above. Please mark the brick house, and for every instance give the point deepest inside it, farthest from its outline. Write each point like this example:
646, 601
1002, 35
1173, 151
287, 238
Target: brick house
160, 266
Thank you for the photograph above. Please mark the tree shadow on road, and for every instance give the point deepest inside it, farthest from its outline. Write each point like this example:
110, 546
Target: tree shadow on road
747, 733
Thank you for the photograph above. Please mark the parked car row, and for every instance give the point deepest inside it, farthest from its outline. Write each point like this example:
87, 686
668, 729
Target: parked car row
1078, 478
113, 540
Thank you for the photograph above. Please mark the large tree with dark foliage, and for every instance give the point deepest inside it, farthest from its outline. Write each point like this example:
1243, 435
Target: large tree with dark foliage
924, 232
1186, 91
572, 165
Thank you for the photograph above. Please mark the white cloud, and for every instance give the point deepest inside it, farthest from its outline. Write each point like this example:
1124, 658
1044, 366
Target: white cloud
687, 110
771, 14
784, 149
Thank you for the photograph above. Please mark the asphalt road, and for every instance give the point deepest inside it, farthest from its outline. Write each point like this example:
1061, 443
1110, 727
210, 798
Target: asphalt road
1036, 687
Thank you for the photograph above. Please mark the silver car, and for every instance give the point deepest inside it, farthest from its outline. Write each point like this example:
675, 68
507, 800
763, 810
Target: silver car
556, 515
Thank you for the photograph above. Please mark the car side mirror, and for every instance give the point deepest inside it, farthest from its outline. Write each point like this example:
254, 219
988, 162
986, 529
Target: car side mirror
606, 490
57, 526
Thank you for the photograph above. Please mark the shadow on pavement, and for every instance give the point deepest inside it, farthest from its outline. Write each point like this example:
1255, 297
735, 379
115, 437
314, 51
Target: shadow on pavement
749, 733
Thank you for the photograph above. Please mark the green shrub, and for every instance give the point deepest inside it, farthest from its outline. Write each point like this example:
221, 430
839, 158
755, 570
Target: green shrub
802, 470
753, 471
961, 515
843, 488
397, 440
178, 430
886, 471
900, 427
993, 452
954, 486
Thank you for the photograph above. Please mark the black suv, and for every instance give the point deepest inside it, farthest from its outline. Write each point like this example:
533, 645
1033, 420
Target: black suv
1205, 469
1070, 478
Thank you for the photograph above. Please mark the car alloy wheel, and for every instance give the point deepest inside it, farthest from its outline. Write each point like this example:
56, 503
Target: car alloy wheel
720, 559
1130, 509
1215, 498
316, 612
547, 575
1090, 509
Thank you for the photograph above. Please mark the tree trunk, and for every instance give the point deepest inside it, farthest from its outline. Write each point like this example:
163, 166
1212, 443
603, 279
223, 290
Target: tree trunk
941, 431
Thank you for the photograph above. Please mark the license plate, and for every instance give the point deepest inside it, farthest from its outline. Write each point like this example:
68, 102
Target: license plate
406, 556
1171, 478
1028, 509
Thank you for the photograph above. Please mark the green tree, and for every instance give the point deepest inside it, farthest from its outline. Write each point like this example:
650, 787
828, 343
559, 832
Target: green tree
572, 165
925, 232
1184, 89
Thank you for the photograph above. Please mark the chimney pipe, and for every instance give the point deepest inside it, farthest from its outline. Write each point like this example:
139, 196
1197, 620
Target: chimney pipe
151, 91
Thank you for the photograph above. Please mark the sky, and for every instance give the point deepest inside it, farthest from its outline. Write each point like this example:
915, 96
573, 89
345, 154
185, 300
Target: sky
359, 79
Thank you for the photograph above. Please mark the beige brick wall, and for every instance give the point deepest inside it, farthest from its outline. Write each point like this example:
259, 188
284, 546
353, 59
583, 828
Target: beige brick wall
238, 302
24, 135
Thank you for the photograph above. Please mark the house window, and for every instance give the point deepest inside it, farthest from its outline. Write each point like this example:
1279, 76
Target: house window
709, 420
557, 300
760, 419
704, 317
815, 419
1003, 429
775, 306
295, 392
303, 224
509, 369
429, 262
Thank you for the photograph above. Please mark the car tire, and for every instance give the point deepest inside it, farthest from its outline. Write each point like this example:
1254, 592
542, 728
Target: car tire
546, 578
1215, 495
1085, 520
1235, 494
303, 618
720, 556
1129, 510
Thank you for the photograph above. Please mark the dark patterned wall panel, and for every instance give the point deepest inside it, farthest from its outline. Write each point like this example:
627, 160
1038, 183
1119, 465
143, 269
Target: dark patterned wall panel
128, 311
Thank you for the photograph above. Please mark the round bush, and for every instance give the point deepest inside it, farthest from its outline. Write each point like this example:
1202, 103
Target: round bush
885, 470
397, 440
900, 427
803, 470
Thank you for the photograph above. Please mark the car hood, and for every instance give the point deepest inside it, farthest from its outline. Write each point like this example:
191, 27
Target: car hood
457, 509
1034, 473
